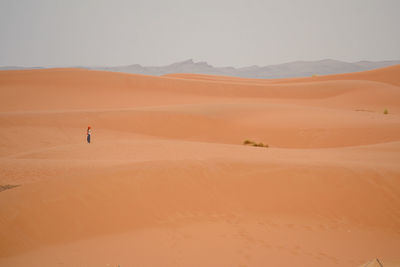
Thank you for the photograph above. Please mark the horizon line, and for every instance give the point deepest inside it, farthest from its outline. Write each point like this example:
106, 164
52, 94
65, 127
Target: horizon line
194, 62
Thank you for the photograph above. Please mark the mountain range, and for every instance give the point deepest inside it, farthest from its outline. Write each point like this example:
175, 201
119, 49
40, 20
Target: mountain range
291, 69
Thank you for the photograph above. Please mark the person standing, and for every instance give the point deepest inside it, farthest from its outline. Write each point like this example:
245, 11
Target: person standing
89, 133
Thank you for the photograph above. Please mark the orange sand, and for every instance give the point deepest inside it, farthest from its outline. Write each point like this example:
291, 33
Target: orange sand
167, 181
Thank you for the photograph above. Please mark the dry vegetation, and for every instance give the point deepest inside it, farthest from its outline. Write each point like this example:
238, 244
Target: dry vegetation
252, 143
7, 186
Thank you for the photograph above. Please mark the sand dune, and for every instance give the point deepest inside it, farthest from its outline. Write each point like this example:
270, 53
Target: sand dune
167, 181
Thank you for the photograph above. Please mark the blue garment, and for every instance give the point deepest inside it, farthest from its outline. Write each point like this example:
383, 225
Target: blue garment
88, 138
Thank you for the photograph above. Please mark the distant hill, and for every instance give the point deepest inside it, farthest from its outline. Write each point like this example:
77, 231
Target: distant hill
19, 68
286, 70
291, 69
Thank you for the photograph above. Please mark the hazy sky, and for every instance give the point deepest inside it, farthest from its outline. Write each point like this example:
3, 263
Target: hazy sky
236, 33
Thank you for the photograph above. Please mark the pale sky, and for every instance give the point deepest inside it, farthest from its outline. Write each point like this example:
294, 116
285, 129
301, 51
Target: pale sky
221, 32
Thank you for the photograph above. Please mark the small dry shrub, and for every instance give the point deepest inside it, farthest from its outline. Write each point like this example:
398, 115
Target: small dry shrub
248, 142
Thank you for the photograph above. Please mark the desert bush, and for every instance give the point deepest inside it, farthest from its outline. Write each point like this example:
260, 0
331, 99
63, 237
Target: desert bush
386, 111
249, 142
7, 186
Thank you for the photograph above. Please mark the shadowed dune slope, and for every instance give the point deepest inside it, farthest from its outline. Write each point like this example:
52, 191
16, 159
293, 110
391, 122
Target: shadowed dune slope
167, 180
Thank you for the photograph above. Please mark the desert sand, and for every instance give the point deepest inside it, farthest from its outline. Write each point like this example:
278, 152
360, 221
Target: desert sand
167, 180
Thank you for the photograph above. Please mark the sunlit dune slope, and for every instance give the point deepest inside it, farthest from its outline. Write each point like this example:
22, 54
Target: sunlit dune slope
388, 75
167, 180
75, 88
328, 113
